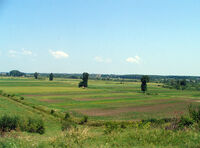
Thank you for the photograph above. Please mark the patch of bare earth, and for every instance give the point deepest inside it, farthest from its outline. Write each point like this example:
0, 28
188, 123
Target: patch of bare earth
189, 100
112, 112
96, 99
44, 95
51, 101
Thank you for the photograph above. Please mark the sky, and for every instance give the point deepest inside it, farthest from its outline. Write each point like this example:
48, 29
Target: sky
101, 36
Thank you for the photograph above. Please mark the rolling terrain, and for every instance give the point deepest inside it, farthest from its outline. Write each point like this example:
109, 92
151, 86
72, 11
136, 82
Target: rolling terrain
102, 102
102, 99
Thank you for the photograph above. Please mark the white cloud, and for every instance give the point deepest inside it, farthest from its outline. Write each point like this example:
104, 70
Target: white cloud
108, 60
58, 54
12, 53
23, 52
26, 52
98, 59
135, 59
102, 60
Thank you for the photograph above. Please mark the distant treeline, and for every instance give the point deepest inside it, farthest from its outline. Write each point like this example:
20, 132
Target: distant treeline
153, 78
188, 84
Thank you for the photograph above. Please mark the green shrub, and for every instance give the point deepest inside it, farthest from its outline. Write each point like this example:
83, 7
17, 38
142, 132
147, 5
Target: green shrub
110, 127
21, 98
148, 93
84, 120
4, 94
67, 116
179, 124
66, 125
123, 125
12, 95
194, 113
185, 122
157, 121
34, 126
52, 111
1, 92
8, 123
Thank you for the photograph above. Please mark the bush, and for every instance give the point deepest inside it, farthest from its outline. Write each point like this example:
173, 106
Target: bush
123, 125
157, 121
8, 123
148, 93
66, 125
185, 122
84, 120
52, 111
34, 126
179, 124
194, 113
21, 98
110, 127
173, 125
67, 116
12, 95
4, 94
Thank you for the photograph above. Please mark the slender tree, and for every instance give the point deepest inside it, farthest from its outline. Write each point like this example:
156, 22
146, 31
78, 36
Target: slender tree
144, 80
85, 79
183, 84
36, 75
51, 77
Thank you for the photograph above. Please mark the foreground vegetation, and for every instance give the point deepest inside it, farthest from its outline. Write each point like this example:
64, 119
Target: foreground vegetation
106, 114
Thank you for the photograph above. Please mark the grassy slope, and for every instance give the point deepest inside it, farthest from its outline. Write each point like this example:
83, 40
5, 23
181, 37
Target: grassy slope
10, 107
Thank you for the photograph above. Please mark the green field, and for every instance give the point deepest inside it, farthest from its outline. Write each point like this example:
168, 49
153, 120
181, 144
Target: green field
101, 101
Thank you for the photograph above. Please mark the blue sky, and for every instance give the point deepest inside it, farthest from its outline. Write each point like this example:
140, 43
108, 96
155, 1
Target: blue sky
101, 36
